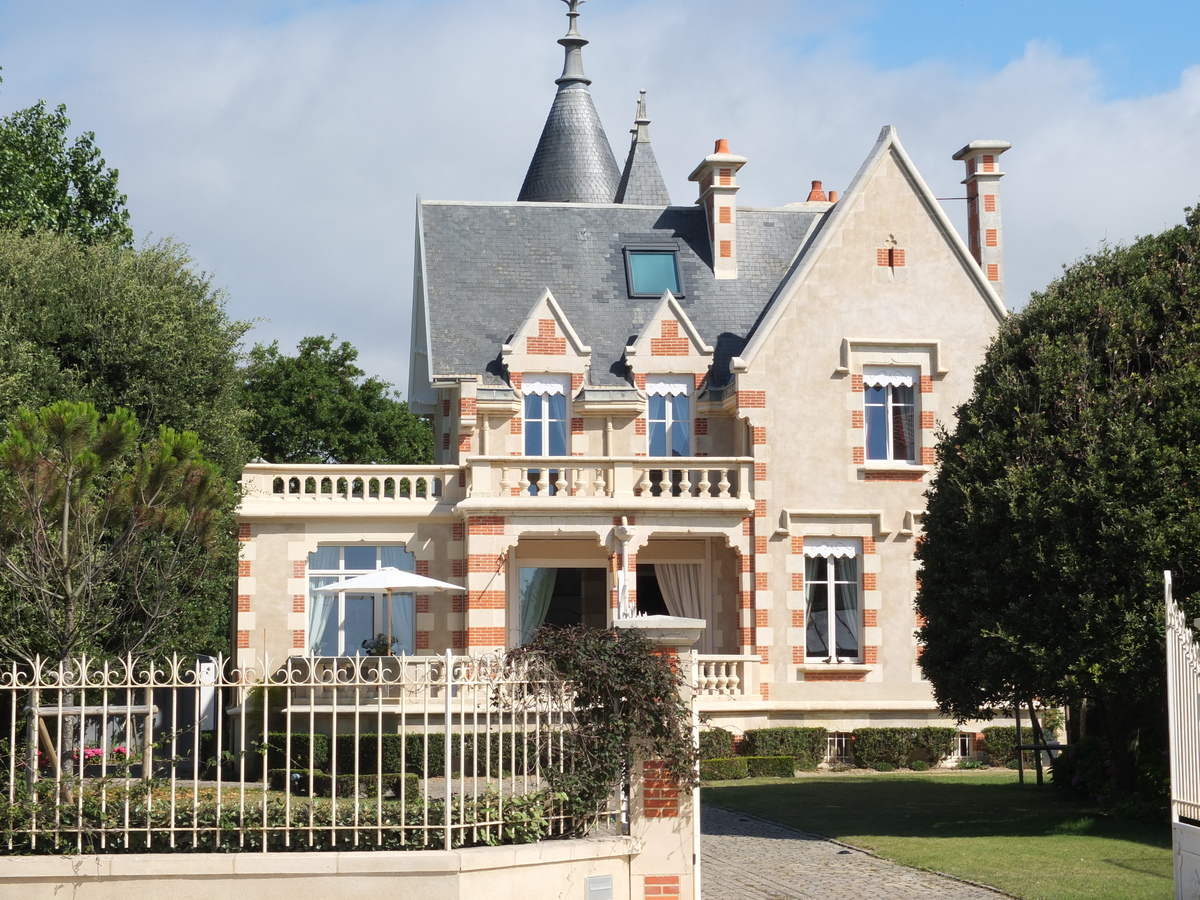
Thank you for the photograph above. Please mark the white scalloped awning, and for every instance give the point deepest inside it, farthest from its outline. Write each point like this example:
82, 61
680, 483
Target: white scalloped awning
822, 547
667, 387
544, 384
893, 377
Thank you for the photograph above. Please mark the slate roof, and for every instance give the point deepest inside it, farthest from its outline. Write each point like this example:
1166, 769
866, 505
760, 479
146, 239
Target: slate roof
573, 162
486, 264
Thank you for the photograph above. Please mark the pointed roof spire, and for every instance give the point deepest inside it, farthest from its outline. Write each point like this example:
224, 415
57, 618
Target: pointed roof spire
574, 162
642, 182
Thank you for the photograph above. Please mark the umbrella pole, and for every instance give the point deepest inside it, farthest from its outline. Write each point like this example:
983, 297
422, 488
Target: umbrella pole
389, 619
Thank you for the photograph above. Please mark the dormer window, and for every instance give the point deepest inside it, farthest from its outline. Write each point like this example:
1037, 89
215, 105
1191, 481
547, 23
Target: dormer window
650, 270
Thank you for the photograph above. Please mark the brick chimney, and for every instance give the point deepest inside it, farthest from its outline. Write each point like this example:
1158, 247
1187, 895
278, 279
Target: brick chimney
717, 176
983, 207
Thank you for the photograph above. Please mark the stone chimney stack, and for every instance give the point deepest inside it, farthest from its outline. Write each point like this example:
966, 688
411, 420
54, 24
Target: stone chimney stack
717, 176
983, 207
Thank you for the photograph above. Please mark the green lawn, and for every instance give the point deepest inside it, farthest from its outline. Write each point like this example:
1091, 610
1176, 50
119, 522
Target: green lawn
984, 827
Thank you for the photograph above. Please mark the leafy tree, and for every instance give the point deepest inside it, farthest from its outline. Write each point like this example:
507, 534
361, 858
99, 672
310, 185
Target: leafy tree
117, 326
314, 408
103, 542
1070, 482
48, 184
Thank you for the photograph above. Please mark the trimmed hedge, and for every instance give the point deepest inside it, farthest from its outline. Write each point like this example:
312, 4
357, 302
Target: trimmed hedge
893, 746
770, 766
367, 786
937, 743
1000, 745
425, 754
716, 743
276, 747
724, 769
806, 745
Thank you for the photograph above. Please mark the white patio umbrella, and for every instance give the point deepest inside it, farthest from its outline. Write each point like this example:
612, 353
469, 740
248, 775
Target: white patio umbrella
391, 580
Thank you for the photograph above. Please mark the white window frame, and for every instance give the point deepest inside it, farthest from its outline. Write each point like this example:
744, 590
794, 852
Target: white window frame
839, 748
544, 387
341, 573
961, 738
669, 387
892, 379
831, 550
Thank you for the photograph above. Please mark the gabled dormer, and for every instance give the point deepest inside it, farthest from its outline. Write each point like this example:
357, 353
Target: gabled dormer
546, 342
668, 344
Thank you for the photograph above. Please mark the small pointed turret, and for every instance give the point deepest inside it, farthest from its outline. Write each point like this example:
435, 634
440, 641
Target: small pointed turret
574, 162
642, 182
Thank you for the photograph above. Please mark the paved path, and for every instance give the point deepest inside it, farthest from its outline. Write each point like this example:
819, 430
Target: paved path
746, 858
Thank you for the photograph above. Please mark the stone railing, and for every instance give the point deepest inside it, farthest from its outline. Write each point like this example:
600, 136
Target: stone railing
350, 484
727, 677
617, 478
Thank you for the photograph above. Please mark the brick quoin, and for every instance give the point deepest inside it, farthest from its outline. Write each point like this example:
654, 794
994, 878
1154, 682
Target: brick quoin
760, 618
458, 640
458, 568
422, 567
514, 425
882, 258
870, 617
298, 568
744, 563
758, 435
760, 509
726, 249
423, 602
485, 637
856, 384
989, 202
698, 379
298, 603
991, 238
701, 426
797, 581
726, 176
797, 546
458, 603
871, 655
456, 531
746, 523
576, 382
927, 420
243, 603
744, 600
639, 426
760, 581
752, 399
760, 471
446, 408
661, 886
928, 456
926, 384
243, 569
515, 380
897, 259
858, 455
764, 691
726, 215
921, 624
488, 600
547, 342
243, 639
244, 532
467, 408
797, 618
993, 272
744, 637
764, 653
446, 441
485, 525
660, 792
856, 419
760, 545
485, 562
423, 640
798, 656
298, 640
639, 382
462, 478
577, 426
464, 443
868, 581
868, 545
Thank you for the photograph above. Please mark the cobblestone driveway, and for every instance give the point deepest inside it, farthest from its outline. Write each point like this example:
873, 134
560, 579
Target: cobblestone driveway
746, 858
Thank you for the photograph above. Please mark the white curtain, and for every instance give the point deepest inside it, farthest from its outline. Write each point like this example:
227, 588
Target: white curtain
536, 590
682, 586
323, 603
403, 624
883, 377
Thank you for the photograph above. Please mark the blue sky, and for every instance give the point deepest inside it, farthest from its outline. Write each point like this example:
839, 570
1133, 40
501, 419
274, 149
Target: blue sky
286, 142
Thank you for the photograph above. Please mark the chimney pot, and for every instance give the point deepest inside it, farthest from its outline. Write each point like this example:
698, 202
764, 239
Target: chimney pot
722, 146
816, 194
833, 195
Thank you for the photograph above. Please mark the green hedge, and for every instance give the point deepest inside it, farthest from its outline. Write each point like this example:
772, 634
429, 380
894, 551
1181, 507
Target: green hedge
276, 749
322, 784
1000, 745
425, 754
806, 745
716, 743
770, 766
936, 743
724, 769
893, 746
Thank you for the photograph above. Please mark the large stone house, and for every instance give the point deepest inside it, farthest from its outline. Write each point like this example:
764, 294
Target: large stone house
705, 410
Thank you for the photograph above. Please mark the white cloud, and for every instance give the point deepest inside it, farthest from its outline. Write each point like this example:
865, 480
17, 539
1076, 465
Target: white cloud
287, 150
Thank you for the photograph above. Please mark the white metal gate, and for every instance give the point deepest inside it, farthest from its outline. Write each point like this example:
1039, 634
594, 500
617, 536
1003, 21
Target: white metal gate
1183, 704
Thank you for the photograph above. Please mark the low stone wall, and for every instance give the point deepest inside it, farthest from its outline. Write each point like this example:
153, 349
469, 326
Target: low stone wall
546, 869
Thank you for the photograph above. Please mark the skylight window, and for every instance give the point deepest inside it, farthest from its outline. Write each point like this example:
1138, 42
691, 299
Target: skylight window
652, 271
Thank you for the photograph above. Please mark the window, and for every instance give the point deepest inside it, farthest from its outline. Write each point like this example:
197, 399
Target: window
964, 743
562, 597
838, 748
890, 414
670, 418
545, 424
339, 623
652, 270
832, 615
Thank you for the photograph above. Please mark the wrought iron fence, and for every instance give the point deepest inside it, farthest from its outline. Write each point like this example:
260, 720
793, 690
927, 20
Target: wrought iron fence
1183, 703
430, 752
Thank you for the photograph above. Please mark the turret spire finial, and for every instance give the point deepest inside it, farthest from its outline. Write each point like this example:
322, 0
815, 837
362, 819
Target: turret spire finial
574, 43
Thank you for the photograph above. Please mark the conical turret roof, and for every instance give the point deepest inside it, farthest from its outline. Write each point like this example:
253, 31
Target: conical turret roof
574, 162
642, 182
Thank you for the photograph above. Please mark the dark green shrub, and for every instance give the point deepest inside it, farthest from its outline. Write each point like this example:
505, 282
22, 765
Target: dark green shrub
937, 743
425, 754
971, 764
893, 746
770, 766
724, 769
276, 749
1000, 745
716, 743
883, 767
278, 779
807, 745
919, 765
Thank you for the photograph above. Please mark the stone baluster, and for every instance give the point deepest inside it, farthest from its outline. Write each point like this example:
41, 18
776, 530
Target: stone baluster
723, 485
598, 485
685, 482
734, 680
577, 485
560, 483
523, 483
505, 483
644, 485
705, 485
